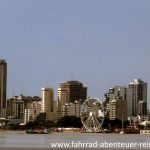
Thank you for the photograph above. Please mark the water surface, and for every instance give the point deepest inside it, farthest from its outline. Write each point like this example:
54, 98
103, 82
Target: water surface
16, 140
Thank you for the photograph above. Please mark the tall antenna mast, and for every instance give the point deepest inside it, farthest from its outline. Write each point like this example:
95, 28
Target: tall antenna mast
71, 75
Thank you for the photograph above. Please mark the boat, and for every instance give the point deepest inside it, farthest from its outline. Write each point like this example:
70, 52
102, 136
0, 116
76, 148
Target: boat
146, 125
31, 131
38, 131
132, 131
122, 132
145, 131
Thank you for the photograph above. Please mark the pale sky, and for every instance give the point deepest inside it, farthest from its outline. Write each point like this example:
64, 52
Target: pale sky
100, 43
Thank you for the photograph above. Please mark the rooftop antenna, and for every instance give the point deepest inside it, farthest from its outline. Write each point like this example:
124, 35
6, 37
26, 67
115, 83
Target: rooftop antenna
14, 91
71, 75
53, 81
22, 90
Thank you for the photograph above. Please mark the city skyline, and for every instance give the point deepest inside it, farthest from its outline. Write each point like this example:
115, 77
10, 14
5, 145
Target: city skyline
100, 43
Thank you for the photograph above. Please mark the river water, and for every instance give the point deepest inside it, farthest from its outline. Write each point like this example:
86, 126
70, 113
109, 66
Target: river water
19, 140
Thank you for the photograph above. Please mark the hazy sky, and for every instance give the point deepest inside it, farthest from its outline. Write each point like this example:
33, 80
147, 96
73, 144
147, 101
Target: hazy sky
100, 43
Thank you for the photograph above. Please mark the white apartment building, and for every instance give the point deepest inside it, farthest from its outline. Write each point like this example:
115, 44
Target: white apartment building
71, 109
32, 111
47, 103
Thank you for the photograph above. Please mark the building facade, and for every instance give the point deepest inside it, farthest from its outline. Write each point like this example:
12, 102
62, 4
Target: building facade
32, 111
71, 109
139, 93
19, 106
125, 94
3, 87
142, 108
47, 103
117, 109
70, 91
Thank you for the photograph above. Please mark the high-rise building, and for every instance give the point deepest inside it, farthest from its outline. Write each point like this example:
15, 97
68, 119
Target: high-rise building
117, 109
71, 91
47, 99
116, 104
139, 93
142, 108
3, 87
47, 103
125, 94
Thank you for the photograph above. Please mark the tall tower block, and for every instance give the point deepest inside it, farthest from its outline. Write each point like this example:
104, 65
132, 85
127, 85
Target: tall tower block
3, 87
139, 94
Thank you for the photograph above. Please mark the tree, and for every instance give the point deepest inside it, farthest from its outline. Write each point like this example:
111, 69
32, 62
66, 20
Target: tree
69, 121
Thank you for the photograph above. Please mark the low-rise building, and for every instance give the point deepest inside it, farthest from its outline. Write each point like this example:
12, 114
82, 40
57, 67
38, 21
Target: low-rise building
23, 107
32, 111
71, 109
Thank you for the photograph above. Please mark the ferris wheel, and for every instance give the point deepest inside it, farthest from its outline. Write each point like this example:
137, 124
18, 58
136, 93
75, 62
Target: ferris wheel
92, 115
